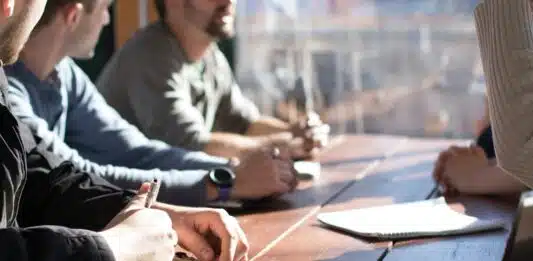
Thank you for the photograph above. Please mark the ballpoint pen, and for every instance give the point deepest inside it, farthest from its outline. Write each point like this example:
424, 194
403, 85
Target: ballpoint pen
152, 193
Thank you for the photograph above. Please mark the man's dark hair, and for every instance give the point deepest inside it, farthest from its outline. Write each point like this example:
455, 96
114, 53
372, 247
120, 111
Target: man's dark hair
160, 8
52, 6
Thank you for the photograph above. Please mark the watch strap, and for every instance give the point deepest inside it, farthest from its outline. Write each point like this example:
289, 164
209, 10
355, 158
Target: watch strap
223, 193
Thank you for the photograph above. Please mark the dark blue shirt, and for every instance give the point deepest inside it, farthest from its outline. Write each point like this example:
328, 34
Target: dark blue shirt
72, 120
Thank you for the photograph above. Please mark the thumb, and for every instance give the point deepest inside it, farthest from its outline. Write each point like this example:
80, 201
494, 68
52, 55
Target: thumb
144, 189
136, 203
141, 196
281, 138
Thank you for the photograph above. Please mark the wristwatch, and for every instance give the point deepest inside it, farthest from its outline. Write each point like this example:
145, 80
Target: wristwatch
223, 178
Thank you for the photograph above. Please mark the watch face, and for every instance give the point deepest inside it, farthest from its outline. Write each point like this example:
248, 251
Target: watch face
222, 177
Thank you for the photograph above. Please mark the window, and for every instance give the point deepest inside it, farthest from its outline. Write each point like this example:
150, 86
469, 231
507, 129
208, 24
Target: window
407, 67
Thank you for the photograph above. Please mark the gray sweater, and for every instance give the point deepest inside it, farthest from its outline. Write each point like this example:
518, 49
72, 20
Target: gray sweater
150, 82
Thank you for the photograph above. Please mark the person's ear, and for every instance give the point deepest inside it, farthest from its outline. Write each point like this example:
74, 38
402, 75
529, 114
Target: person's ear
7, 7
72, 14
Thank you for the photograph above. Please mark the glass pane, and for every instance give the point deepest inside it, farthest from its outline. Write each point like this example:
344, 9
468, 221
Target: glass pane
408, 67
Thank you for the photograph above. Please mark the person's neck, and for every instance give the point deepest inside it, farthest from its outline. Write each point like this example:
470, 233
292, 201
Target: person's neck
194, 43
42, 52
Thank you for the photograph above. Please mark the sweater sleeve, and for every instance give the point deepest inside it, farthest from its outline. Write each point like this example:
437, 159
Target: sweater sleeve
52, 243
504, 29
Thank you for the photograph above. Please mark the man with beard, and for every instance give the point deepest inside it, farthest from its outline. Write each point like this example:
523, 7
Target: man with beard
58, 207
174, 84
60, 104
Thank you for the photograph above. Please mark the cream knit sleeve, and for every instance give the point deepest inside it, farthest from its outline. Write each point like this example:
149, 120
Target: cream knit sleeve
504, 29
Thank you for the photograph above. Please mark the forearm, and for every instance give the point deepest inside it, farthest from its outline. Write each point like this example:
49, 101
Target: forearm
229, 144
267, 125
186, 187
52, 243
496, 181
53, 195
505, 36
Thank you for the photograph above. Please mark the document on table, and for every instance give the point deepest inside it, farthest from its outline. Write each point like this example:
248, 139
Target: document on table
408, 220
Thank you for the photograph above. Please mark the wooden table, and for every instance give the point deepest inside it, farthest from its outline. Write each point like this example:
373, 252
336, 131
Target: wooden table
363, 171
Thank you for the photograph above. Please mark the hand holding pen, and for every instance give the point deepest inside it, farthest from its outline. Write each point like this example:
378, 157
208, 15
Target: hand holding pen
152, 193
139, 232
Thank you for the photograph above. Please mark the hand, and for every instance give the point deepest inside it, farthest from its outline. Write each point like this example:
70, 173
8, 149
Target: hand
463, 169
297, 146
141, 233
312, 134
262, 174
209, 234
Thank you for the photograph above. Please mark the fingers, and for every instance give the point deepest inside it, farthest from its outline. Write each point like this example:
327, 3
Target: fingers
135, 204
284, 167
317, 136
284, 153
285, 171
233, 243
446, 155
440, 165
243, 246
144, 189
447, 187
280, 138
476, 150
142, 194
196, 244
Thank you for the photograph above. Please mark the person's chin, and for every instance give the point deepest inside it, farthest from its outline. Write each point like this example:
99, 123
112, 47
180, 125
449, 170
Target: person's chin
221, 32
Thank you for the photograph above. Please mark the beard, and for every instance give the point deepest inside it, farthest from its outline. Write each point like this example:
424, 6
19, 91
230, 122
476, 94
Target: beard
220, 31
13, 36
213, 28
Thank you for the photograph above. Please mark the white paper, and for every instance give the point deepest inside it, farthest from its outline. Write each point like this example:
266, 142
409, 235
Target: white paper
307, 169
423, 218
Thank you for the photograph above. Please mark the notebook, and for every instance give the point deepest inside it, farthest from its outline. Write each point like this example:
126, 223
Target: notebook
408, 220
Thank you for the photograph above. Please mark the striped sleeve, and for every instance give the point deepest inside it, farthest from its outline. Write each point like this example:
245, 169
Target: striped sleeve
504, 29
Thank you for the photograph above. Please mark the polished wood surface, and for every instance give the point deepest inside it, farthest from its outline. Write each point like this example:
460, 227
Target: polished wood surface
340, 165
363, 171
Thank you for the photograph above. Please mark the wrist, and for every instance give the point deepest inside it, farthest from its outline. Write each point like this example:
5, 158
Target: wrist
220, 181
211, 190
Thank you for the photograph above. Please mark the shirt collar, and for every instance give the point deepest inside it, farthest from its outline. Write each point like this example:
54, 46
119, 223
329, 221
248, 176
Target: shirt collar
20, 69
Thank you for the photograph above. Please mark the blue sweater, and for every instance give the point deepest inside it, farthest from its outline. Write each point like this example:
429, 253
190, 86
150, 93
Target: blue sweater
71, 119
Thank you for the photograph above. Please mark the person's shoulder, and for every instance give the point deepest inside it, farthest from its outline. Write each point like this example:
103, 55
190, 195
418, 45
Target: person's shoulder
19, 77
152, 41
152, 50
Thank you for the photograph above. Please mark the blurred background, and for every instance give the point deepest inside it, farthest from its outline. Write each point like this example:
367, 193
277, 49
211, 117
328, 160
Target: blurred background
406, 67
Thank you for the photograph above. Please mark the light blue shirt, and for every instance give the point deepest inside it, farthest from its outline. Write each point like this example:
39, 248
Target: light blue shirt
71, 119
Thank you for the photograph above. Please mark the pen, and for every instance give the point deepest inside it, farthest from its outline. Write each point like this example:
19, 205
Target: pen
152, 193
